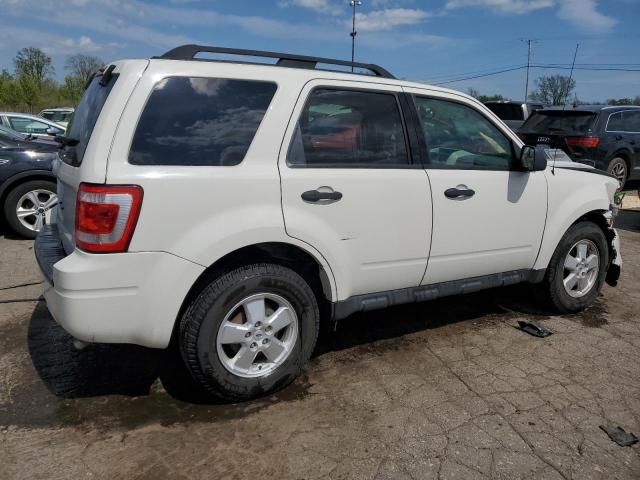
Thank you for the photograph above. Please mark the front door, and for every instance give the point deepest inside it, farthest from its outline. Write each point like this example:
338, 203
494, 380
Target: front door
351, 189
487, 217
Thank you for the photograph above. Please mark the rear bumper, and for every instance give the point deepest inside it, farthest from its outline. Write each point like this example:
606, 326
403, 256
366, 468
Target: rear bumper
114, 298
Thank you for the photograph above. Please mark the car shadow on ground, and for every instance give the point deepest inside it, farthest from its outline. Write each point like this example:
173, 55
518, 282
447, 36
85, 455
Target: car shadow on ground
132, 371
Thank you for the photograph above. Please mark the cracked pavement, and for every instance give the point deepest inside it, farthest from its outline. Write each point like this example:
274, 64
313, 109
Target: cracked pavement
445, 390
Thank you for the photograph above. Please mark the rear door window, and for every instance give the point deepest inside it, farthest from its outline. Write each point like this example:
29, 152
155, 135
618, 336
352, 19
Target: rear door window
200, 121
559, 122
627, 121
85, 117
349, 129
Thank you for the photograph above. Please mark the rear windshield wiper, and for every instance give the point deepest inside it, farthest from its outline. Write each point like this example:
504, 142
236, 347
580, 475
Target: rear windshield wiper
66, 141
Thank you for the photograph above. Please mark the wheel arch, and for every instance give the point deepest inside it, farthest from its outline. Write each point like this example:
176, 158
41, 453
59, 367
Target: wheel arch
23, 177
304, 263
594, 215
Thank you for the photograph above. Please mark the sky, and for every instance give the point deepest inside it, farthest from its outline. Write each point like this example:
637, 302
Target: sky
432, 41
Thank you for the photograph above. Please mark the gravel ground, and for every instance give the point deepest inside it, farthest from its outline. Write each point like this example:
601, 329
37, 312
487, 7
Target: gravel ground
448, 389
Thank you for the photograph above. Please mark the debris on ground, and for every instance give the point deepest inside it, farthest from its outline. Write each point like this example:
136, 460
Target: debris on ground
620, 436
534, 328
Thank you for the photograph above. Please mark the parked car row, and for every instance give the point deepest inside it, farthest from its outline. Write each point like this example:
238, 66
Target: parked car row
604, 137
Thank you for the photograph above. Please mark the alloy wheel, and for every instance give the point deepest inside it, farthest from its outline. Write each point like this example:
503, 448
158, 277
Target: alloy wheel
257, 335
34, 208
581, 267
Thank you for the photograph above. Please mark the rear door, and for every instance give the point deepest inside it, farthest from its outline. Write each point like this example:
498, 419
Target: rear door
351, 189
487, 216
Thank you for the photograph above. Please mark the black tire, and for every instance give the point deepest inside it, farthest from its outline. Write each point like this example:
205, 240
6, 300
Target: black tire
11, 204
618, 164
553, 286
202, 319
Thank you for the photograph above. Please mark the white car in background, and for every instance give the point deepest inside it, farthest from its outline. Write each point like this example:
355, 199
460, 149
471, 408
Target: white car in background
61, 116
30, 124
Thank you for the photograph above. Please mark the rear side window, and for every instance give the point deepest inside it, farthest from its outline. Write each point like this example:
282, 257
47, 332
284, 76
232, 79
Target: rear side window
85, 117
627, 121
200, 121
28, 125
349, 129
558, 121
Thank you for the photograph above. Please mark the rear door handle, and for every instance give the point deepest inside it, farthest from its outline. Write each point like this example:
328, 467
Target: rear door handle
316, 196
459, 193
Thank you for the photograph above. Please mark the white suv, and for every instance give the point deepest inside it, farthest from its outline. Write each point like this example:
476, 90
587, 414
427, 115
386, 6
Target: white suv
230, 208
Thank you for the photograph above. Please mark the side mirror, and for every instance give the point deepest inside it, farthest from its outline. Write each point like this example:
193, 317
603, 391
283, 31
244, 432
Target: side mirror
532, 159
51, 131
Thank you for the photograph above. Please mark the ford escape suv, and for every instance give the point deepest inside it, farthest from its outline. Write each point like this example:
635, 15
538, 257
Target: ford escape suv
222, 206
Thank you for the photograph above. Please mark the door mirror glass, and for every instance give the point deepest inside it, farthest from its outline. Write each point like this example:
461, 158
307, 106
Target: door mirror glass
532, 159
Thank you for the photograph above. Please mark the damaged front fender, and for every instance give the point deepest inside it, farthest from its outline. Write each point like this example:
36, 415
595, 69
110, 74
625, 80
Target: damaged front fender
615, 262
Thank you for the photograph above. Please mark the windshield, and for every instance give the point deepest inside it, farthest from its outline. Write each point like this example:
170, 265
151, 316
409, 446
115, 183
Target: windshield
558, 121
8, 134
56, 116
85, 117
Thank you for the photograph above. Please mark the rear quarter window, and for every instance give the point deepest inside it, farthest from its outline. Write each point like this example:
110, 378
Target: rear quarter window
85, 117
200, 121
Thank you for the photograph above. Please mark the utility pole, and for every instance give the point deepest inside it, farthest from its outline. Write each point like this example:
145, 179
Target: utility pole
354, 4
526, 86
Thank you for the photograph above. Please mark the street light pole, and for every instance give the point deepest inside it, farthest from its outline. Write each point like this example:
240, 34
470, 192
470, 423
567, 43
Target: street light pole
354, 4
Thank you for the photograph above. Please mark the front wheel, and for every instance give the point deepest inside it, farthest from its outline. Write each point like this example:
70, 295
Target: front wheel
577, 269
250, 332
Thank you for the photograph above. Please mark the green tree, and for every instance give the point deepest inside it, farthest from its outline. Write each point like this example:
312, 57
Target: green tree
33, 71
72, 89
484, 98
623, 101
82, 66
553, 89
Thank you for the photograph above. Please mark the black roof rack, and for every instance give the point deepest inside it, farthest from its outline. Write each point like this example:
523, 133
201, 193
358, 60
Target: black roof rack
189, 52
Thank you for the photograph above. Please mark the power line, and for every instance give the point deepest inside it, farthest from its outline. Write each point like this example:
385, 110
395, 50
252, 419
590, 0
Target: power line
483, 75
542, 67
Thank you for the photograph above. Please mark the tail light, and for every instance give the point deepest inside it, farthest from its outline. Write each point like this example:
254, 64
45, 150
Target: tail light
106, 217
583, 142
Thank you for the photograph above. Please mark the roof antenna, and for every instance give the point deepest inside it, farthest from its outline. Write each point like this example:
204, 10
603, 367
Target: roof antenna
564, 106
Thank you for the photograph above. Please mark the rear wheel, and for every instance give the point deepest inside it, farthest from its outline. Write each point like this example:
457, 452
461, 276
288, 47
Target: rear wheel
250, 332
577, 269
28, 207
619, 169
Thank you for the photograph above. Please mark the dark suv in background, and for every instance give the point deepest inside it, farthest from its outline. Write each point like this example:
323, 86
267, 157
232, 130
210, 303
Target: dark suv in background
513, 113
606, 137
